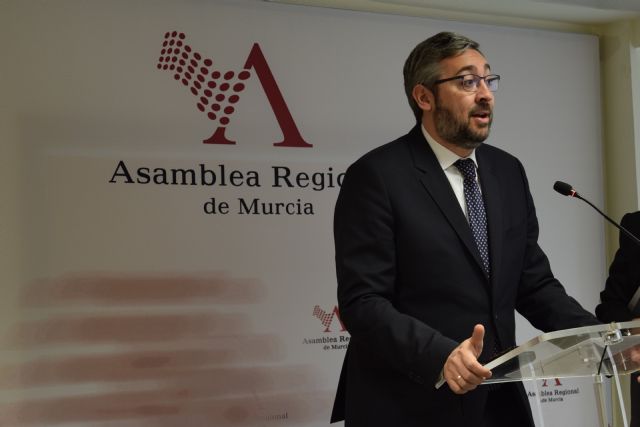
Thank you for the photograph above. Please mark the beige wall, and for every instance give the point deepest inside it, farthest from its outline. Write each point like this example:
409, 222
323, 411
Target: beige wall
618, 57
12, 257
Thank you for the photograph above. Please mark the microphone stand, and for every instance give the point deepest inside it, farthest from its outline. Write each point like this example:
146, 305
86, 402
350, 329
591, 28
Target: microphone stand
598, 385
619, 227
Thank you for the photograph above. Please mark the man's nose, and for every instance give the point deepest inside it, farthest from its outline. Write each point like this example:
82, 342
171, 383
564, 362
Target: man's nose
483, 94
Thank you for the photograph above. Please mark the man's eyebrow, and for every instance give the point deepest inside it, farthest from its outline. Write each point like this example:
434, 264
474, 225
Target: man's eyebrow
472, 68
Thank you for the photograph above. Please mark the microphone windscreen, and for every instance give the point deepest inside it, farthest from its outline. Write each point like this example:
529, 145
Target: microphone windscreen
564, 188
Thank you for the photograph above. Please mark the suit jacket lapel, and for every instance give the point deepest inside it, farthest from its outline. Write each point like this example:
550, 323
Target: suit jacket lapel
436, 183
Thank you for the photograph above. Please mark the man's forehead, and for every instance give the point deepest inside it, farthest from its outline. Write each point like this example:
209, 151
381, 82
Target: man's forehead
470, 60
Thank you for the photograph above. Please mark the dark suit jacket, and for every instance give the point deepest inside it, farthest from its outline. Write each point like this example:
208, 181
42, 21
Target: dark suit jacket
624, 276
411, 285
621, 285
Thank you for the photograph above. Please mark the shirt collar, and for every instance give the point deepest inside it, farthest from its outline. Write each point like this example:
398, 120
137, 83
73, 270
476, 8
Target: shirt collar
445, 157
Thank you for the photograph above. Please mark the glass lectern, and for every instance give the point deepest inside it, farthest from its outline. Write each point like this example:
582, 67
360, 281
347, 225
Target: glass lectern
593, 351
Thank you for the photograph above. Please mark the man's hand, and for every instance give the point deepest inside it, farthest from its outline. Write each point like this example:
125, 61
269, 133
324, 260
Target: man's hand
462, 371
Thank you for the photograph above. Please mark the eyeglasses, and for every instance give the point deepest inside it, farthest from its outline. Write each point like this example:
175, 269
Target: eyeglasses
471, 82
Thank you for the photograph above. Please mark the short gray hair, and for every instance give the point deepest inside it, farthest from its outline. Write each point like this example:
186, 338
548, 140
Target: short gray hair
423, 64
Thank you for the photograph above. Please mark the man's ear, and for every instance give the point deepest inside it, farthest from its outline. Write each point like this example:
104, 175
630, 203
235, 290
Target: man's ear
423, 97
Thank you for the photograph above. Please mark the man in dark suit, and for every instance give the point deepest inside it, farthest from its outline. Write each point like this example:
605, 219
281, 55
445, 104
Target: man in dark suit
617, 298
432, 259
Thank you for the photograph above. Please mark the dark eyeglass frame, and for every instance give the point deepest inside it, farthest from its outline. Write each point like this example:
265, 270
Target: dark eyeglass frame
488, 79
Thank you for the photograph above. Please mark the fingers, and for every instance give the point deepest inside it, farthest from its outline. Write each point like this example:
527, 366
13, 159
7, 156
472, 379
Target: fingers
462, 371
460, 384
477, 339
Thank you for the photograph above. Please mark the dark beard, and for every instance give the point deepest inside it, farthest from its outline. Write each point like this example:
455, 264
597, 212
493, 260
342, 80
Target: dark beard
458, 132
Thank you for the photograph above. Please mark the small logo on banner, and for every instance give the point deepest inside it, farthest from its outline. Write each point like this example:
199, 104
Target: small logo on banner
553, 391
326, 318
329, 340
218, 92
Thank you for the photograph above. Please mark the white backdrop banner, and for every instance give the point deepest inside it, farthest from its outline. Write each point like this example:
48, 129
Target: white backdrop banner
177, 169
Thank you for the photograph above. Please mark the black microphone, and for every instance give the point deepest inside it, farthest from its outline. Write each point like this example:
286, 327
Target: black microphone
567, 190
564, 189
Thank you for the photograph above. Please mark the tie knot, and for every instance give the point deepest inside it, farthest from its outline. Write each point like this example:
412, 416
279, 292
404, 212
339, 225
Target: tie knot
467, 168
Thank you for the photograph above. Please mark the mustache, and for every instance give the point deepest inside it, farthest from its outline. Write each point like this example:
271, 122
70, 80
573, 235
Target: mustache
481, 109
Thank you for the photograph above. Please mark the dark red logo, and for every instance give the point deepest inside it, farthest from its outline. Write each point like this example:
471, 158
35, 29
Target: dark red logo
218, 92
327, 318
557, 382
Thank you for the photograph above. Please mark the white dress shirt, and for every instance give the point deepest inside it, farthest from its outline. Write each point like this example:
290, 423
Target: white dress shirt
447, 158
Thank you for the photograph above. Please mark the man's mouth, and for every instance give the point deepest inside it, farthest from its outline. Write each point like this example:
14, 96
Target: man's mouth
482, 116
481, 113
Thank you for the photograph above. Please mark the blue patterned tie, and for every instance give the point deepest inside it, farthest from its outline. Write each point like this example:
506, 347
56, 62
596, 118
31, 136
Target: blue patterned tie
475, 209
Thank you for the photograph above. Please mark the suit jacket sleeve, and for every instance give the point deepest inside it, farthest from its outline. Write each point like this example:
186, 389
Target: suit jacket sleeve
366, 270
624, 277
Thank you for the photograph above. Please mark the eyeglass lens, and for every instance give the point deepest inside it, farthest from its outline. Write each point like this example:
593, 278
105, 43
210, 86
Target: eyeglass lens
471, 82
